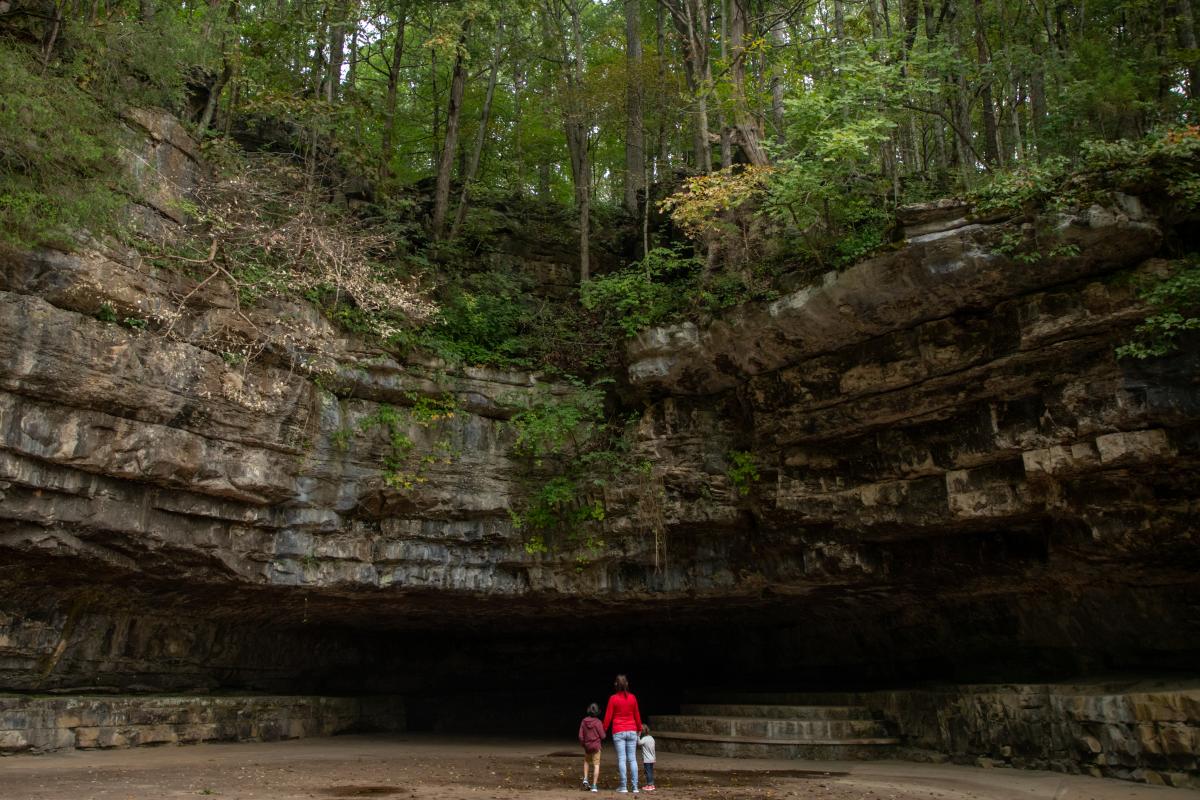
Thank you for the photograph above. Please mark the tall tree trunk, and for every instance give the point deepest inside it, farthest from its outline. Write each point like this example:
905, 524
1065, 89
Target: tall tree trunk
458, 79
434, 101
389, 106
518, 82
779, 41
577, 139
722, 122
337, 51
660, 49
991, 144
214, 97
692, 23
227, 67
747, 127
231, 105
1037, 100
320, 63
1018, 149
352, 67
635, 146
472, 166
583, 197
1185, 27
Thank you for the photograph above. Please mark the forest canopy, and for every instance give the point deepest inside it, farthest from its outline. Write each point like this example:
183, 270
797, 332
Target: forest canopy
822, 115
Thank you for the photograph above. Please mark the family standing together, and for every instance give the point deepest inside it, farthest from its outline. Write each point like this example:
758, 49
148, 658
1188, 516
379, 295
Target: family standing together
628, 731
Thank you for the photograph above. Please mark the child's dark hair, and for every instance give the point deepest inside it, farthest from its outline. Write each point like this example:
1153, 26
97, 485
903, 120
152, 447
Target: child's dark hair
645, 729
593, 710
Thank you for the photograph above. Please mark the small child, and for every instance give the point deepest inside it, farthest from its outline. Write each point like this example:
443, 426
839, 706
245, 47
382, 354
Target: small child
647, 743
591, 734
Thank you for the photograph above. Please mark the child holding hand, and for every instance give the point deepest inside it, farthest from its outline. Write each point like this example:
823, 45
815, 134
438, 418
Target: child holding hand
648, 759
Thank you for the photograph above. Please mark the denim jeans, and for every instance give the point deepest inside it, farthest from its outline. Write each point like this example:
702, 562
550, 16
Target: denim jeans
649, 765
626, 744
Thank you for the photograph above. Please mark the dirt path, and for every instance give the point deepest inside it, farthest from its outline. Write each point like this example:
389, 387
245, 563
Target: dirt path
420, 767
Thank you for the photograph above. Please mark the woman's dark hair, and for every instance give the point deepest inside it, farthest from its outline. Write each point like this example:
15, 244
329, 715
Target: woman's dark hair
593, 710
621, 684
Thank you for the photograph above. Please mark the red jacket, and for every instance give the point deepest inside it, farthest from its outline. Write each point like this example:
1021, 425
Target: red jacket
591, 733
622, 713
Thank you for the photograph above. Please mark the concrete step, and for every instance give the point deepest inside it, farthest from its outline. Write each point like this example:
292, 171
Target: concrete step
761, 710
770, 728
862, 748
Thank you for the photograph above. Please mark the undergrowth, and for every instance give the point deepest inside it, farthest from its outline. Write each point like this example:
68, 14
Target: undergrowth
62, 157
1174, 305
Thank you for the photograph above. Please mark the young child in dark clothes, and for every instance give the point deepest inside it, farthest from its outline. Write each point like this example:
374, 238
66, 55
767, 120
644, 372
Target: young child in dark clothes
591, 734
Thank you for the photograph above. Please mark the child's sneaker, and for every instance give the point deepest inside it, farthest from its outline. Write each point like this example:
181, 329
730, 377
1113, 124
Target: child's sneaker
649, 788
586, 786
594, 789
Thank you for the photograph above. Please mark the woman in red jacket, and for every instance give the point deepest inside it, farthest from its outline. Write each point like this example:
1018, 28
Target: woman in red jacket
626, 721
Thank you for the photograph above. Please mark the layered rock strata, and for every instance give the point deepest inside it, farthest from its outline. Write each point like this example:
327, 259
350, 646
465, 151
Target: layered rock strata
954, 478
81, 722
1148, 733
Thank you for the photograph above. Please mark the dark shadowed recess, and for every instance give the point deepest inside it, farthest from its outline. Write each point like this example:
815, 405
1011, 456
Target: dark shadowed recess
467, 663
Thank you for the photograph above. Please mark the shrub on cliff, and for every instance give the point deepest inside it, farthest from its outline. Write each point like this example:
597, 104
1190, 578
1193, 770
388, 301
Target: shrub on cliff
1174, 312
60, 157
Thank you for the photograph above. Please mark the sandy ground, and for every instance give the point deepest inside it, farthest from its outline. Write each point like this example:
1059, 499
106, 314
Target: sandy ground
421, 766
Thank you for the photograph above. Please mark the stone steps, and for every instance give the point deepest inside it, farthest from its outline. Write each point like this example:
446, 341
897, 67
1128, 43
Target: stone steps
771, 728
777, 711
751, 747
764, 730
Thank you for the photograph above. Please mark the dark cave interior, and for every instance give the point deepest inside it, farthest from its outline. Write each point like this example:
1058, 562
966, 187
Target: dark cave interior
530, 665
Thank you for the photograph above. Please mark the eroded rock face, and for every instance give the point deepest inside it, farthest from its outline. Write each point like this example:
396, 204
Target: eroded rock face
1142, 731
932, 276
956, 479
90, 722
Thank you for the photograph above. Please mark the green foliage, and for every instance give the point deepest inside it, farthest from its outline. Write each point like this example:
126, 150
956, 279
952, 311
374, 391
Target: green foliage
1167, 160
644, 294
824, 193
1175, 311
404, 465
1164, 163
698, 209
107, 313
60, 158
555, 425
742, 471
482, 320
1022, 190
561, 504
141, 62
586, 452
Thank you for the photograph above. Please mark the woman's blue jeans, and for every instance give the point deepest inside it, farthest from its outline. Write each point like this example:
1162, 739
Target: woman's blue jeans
626, 744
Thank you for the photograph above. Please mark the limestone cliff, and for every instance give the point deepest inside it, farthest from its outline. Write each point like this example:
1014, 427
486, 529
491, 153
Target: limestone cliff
957, 478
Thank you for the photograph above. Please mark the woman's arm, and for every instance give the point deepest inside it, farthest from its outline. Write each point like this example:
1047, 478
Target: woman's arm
608, 714
637, 715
